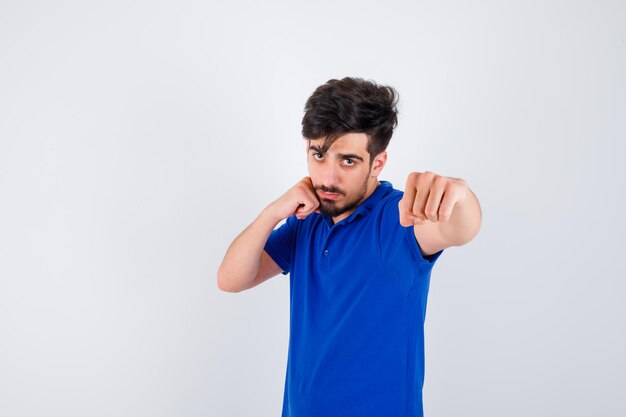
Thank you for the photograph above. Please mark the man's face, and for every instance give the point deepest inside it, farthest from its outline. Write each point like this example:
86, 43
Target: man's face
341, 176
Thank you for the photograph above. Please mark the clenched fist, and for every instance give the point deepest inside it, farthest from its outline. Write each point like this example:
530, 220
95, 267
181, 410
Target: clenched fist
300, 200
428, 196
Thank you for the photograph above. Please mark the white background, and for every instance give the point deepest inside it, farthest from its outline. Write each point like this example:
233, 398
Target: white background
137, 139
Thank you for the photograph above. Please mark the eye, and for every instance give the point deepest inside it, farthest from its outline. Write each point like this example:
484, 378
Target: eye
318, 156
349, 162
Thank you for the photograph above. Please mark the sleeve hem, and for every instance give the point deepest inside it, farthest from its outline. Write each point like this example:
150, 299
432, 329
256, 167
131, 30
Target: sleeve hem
429, 259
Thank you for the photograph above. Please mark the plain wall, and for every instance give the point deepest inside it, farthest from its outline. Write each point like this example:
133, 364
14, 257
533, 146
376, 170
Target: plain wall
137, 139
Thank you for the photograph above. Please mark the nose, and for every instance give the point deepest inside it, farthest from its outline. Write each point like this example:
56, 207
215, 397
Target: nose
330, 175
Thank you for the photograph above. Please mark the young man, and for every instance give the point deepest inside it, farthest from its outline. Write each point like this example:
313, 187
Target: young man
359, 254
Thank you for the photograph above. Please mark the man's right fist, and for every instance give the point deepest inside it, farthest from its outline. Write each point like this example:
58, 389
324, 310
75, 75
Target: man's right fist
300, 200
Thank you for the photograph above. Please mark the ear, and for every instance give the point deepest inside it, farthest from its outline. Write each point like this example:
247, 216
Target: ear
379, 163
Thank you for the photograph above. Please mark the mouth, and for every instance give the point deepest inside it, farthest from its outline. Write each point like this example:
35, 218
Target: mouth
329, 196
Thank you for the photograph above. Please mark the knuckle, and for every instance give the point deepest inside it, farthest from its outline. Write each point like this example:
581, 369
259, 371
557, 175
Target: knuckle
425, 178
413, 177
457, 182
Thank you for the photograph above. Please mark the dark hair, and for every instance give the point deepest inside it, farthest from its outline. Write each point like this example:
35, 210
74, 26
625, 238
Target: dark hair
351, 105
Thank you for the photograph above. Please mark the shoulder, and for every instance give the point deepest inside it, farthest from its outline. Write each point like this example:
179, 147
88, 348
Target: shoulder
388, 204
388, 215
311, 222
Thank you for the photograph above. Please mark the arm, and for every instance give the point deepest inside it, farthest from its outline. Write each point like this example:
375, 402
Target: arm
246, 264
444, 212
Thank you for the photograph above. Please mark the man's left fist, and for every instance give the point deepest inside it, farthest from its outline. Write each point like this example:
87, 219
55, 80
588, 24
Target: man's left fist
428, 196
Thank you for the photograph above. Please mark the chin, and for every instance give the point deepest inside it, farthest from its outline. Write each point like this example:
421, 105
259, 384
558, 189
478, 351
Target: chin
330, 209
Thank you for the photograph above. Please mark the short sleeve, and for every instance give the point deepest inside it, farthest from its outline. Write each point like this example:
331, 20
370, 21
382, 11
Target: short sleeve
281, 243
430, 259
398, 243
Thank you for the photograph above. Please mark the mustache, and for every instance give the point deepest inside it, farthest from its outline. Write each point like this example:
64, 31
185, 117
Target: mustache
334, 190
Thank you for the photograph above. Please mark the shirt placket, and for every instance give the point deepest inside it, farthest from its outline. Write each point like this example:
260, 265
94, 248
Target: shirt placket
325, 256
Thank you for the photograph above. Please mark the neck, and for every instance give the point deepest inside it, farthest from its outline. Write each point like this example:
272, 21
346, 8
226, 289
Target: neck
371, 187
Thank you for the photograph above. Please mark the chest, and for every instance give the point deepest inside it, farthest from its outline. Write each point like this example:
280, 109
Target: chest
343, 263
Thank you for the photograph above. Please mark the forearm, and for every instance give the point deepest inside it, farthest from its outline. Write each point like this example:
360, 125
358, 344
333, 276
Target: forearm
465, 221
243, 257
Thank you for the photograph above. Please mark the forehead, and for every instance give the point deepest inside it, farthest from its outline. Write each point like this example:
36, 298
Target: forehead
349, 143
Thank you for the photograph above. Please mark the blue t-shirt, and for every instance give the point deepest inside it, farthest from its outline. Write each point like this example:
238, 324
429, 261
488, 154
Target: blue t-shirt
358, 292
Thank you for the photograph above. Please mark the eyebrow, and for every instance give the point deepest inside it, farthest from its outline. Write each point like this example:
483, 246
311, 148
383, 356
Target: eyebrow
341, 155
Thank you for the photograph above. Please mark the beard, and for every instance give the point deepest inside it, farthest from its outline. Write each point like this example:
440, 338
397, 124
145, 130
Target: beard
330, 208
